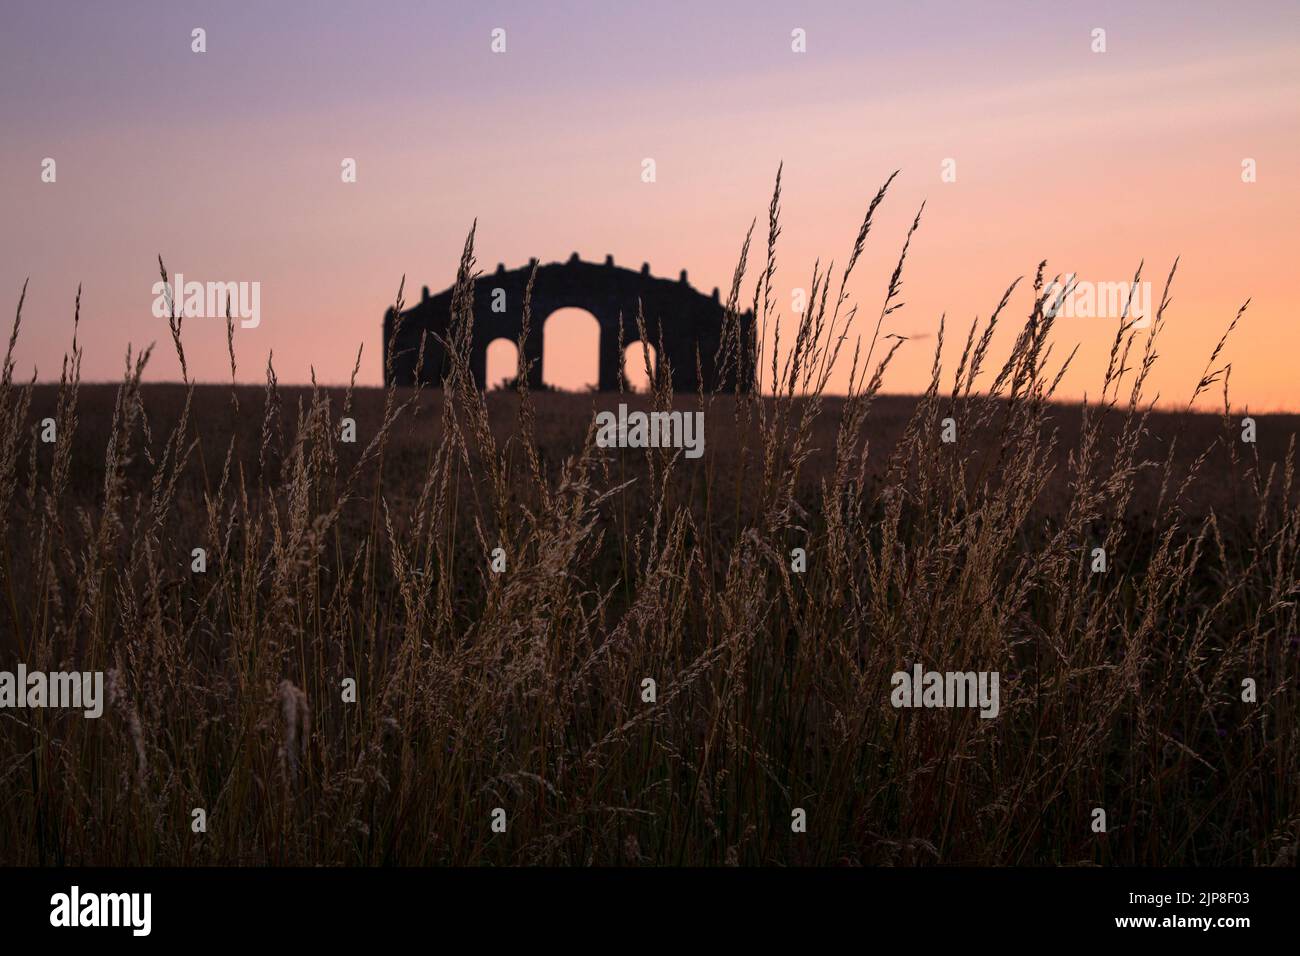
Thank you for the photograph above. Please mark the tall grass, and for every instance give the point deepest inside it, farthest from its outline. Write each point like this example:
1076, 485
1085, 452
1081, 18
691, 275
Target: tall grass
524, 690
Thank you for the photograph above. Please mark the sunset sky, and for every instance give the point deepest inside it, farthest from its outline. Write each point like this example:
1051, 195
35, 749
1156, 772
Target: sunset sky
228, 164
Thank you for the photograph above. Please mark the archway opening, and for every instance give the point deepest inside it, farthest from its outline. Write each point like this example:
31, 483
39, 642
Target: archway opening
571, 350
502, 364
634, 372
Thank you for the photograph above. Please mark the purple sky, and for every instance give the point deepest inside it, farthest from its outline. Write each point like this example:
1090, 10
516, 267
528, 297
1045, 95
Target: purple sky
227, 163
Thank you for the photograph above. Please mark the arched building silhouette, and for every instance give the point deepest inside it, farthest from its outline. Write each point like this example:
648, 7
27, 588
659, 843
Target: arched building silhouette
689, 320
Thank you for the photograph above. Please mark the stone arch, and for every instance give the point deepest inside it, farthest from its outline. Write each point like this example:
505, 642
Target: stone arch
634, 358
571, 349
685, 320
501, 361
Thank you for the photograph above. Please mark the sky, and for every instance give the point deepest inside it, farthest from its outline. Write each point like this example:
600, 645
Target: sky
227, 163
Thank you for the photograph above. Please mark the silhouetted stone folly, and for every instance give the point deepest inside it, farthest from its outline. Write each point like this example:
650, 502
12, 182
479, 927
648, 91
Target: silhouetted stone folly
689, 320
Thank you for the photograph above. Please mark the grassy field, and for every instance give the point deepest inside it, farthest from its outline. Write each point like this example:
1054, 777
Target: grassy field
523, 691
